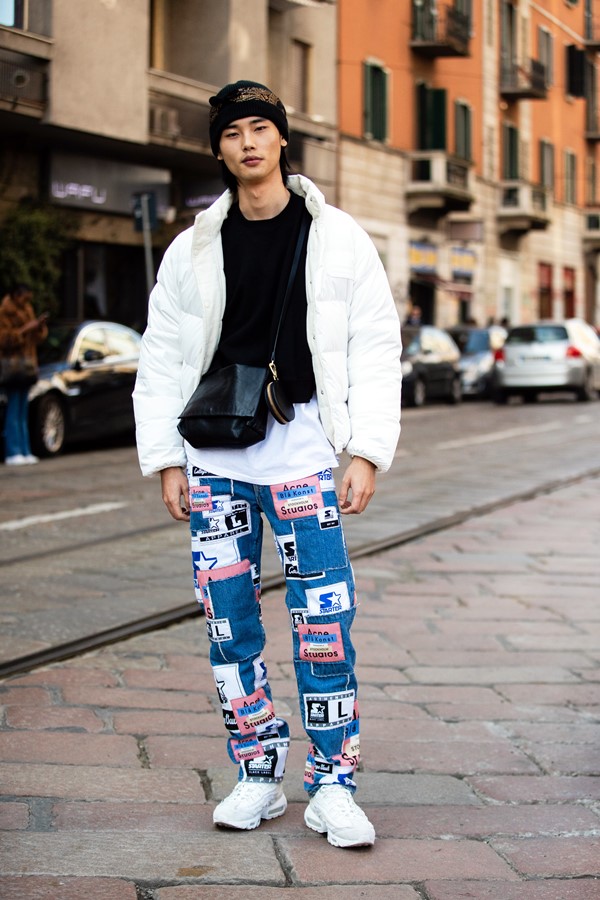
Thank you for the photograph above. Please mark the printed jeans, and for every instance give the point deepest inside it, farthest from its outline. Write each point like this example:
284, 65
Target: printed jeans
226, 526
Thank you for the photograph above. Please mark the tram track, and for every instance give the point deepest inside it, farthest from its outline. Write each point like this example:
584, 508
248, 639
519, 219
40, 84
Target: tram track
161, 620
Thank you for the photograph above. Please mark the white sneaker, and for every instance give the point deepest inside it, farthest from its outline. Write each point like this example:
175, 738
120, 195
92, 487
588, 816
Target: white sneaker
248, 803
17, 460
332, 810
30, 459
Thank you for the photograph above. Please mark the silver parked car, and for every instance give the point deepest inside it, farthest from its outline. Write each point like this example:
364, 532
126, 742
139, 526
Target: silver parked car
477, 347
548, 356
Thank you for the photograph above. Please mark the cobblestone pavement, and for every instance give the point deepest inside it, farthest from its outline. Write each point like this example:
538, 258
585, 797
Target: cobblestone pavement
480, 696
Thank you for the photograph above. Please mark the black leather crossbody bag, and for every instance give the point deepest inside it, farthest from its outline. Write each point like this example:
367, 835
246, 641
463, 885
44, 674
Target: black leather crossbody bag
230, 406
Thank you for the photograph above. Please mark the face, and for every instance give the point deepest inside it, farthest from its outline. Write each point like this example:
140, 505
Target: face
251, 148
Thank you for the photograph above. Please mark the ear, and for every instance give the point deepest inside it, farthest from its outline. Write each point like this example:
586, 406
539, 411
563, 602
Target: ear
284, 143
220, 157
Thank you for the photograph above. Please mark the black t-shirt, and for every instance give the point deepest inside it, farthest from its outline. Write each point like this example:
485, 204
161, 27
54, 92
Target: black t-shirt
257, 261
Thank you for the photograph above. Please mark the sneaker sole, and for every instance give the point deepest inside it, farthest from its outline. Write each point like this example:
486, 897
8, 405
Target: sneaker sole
317, 824
273, 812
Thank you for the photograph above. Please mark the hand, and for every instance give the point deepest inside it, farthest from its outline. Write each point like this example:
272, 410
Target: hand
175, 491
359, 481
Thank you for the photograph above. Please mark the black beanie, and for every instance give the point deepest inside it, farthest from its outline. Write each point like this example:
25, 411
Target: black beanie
242, 99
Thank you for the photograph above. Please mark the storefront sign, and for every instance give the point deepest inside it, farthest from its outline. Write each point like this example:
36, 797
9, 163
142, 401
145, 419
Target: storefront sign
462, 262
422, 257
106, 185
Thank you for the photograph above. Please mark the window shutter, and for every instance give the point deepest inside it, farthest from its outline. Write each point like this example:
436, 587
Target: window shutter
437, 116
575, 65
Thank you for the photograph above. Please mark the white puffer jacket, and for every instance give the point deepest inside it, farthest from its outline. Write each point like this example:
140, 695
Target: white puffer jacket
352, 327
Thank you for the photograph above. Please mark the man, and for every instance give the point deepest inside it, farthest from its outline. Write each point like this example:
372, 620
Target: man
338, 359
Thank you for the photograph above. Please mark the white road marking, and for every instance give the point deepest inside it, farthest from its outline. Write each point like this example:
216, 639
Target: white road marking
92, 510
498, 436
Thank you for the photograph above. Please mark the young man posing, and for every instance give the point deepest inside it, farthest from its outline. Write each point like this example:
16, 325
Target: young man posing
338, 358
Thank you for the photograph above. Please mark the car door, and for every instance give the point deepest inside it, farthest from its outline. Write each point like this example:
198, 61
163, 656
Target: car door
123, 350
84, 381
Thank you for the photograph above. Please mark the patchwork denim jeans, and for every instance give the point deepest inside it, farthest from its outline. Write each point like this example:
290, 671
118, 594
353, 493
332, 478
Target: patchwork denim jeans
226, 520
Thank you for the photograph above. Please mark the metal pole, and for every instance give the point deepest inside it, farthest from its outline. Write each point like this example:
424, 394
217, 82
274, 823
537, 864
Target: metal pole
147, 233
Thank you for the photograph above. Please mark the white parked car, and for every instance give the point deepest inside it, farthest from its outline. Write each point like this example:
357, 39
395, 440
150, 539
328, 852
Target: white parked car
548, 356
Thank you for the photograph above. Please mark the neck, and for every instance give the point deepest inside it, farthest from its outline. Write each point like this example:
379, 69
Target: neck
262, 201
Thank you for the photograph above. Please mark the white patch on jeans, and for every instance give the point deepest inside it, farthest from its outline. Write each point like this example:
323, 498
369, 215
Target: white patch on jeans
329, 599
328, 710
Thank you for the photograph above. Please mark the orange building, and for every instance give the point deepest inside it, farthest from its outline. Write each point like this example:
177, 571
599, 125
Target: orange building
468, 149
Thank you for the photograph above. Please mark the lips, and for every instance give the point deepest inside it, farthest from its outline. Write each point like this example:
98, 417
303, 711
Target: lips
251, 160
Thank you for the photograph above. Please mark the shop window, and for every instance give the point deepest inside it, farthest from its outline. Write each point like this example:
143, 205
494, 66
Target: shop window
375, 102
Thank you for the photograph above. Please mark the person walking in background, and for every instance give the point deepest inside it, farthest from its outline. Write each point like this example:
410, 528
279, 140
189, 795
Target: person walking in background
414, 316
20, 333
215, 304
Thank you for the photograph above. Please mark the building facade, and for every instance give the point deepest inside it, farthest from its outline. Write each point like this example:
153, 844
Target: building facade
472, 158
104, 102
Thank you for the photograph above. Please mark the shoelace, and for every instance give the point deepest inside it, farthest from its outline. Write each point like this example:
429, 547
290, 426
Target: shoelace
248, 789
341, 801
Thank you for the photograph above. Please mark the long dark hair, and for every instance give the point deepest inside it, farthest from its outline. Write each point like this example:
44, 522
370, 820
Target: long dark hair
231, 181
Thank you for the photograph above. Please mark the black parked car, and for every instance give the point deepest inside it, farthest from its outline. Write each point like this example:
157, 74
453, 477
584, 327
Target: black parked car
430, 366
87, 375
477, 348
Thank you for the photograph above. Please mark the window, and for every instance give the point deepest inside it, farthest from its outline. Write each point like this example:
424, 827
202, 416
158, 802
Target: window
575, 71
510, 153
547, 164
591, 182
462, 130
299, 68
27, 15
546, 53
431, 118
570, 177
375, 102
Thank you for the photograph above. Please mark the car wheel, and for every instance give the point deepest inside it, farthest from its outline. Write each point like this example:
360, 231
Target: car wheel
48, 435
586, 392
530, 397
500, 397
419, 393
455, 391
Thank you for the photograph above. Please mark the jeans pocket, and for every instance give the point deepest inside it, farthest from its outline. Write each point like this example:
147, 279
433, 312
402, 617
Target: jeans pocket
234, 625
320, 543
324, 642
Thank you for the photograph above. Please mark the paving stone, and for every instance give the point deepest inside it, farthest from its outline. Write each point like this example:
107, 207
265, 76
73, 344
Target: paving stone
481, 822
54, 718
548, 889
166, 722
13, 815
180, 752
334, 892
314, 861
73, 749
119, 698
132, 816
566, 759
100, 783
524, 789
145, 856
574, 857
489, 675
452, 757
43, 887
78, 672
24, 696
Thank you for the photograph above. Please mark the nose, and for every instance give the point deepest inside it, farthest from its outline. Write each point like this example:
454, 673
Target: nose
248, 140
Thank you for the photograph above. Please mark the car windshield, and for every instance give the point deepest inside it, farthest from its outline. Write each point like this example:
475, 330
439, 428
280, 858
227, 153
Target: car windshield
472, 341
56, 346
541, 334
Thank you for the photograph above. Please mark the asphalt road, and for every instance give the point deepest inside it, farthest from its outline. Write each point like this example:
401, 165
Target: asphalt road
87, 546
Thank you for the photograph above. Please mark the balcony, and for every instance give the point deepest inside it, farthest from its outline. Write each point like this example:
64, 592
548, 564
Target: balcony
523, 81
523, 207
439, 33
591, 228
591, 35
437, 183
23, 84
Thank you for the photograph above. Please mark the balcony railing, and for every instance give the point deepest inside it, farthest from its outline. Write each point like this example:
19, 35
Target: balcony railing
438, 181
443, 32
523, 81
523, 206
23, 85
592, 32
177, 121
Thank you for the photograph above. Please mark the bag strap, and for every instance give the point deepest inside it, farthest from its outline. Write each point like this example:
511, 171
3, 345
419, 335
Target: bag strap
295, 262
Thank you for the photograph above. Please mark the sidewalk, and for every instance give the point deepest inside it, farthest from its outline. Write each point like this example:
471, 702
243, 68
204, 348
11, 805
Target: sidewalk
480, 698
